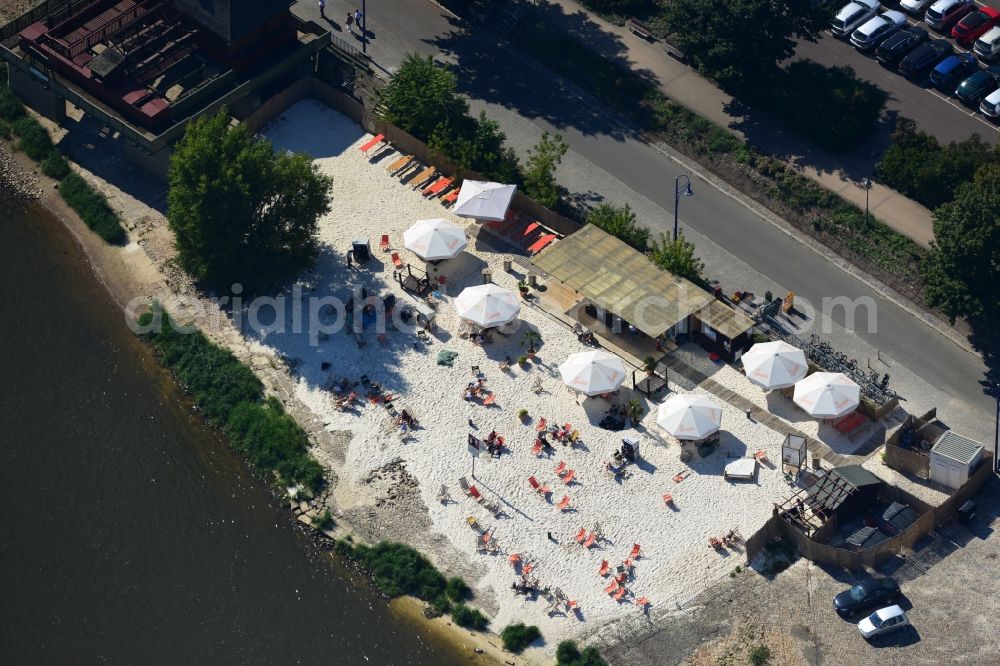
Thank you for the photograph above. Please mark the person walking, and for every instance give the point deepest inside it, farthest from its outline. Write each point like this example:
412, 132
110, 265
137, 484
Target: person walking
349, 21
322, 8
357, 18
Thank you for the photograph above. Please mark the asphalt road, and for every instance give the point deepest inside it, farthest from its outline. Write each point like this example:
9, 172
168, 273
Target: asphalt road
939, 115
515, 92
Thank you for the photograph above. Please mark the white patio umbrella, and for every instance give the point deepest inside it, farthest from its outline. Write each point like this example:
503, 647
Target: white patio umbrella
487, 305
774, 365
435, 239
827, 395
484, 201
689, 416
593, 372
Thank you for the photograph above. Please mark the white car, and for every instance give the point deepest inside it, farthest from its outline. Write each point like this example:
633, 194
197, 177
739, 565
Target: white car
853, 15
990, 106
915, 7
883, 621
876, 30
944, 13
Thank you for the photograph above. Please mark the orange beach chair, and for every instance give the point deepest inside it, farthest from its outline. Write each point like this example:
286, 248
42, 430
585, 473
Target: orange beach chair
377, 139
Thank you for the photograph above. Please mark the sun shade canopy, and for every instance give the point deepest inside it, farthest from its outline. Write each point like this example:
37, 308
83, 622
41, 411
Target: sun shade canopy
484, 201
619, 279
593, 372
487, 305
435, 239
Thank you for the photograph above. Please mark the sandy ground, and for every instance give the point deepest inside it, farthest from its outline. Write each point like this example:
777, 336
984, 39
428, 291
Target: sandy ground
379, 469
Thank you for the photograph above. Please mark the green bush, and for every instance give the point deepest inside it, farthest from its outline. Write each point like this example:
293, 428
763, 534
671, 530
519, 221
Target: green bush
924, 170
516, 637
4, 130
323, 520
10, 105
620, 223
441, 605
398, 570
469, 618
456, 589
92, 208
34, 140
568, 654
55, 166
759, 655
230, 396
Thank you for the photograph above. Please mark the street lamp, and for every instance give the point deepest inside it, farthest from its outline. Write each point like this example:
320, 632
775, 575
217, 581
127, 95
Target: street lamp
868, 188
687, 191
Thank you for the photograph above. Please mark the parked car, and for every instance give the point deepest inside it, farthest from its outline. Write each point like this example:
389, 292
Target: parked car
876, 30
975, 24
922, 59
852, 15
990, 106
892, 50
944, 13
915, 7
947, 73
883, 621
868, 594
972, 90
988, 46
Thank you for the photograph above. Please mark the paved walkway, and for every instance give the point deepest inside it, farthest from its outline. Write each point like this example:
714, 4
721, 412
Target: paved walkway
684, 85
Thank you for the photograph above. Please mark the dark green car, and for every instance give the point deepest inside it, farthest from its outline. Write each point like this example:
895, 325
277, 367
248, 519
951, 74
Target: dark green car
973, 89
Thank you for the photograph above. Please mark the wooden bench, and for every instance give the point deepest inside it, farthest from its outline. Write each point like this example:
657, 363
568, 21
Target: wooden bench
639, 29
674, 52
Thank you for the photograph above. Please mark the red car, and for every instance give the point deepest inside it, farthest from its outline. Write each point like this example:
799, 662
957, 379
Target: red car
974, 24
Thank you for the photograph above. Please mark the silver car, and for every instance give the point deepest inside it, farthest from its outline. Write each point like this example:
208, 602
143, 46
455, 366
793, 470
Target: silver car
883, 621
853, 15
877, 30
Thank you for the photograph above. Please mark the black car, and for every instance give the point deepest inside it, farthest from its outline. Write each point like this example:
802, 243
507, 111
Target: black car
922, 59
892, 50
869, 594
972, 90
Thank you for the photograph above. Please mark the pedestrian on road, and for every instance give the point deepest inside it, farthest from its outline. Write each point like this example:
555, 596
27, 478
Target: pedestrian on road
550, 536
322, 8
357, 18
348, 21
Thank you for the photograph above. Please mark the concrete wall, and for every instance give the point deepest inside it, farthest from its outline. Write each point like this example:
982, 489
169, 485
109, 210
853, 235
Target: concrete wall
36, 93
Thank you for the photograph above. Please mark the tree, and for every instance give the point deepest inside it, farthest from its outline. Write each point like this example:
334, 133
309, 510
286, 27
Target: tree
620, 223
677, 256
962, 270
421, 98
919, 167
540, 174
740, 42
241, 212
477, 144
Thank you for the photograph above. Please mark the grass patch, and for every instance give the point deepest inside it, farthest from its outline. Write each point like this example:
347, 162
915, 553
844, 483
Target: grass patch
516, 637
457, 589
759, 655
92, 208
231, 397
813, 209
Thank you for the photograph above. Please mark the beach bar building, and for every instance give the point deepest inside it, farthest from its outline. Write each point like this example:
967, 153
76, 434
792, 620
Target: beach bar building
621, 288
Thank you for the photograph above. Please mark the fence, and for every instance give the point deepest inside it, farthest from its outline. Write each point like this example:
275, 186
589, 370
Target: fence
928, 519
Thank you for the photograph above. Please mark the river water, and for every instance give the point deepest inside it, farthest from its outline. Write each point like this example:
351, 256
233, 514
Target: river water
130, 534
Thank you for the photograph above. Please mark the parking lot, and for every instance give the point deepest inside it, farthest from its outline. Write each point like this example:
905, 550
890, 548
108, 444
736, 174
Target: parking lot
936, 113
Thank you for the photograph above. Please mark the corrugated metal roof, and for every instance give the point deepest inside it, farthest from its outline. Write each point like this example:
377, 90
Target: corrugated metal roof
726, 320
955, 446
619, 279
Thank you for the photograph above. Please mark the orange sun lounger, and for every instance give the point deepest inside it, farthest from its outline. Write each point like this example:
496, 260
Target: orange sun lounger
437, 186
396, 261
384, 243
541, 243
564, 503
423, 177
451, 197
634, 555
399, 164
591, 538
612, 586
605, 567
561, 467
377, 139
537, 448
568, 478
541, 425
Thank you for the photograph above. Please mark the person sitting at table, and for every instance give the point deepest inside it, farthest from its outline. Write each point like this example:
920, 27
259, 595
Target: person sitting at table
492, 437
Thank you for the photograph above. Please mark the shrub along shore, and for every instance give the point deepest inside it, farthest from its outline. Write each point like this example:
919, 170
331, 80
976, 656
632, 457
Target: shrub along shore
34, 142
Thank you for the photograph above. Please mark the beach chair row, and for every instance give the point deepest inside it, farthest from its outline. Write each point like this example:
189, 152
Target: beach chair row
424, 177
